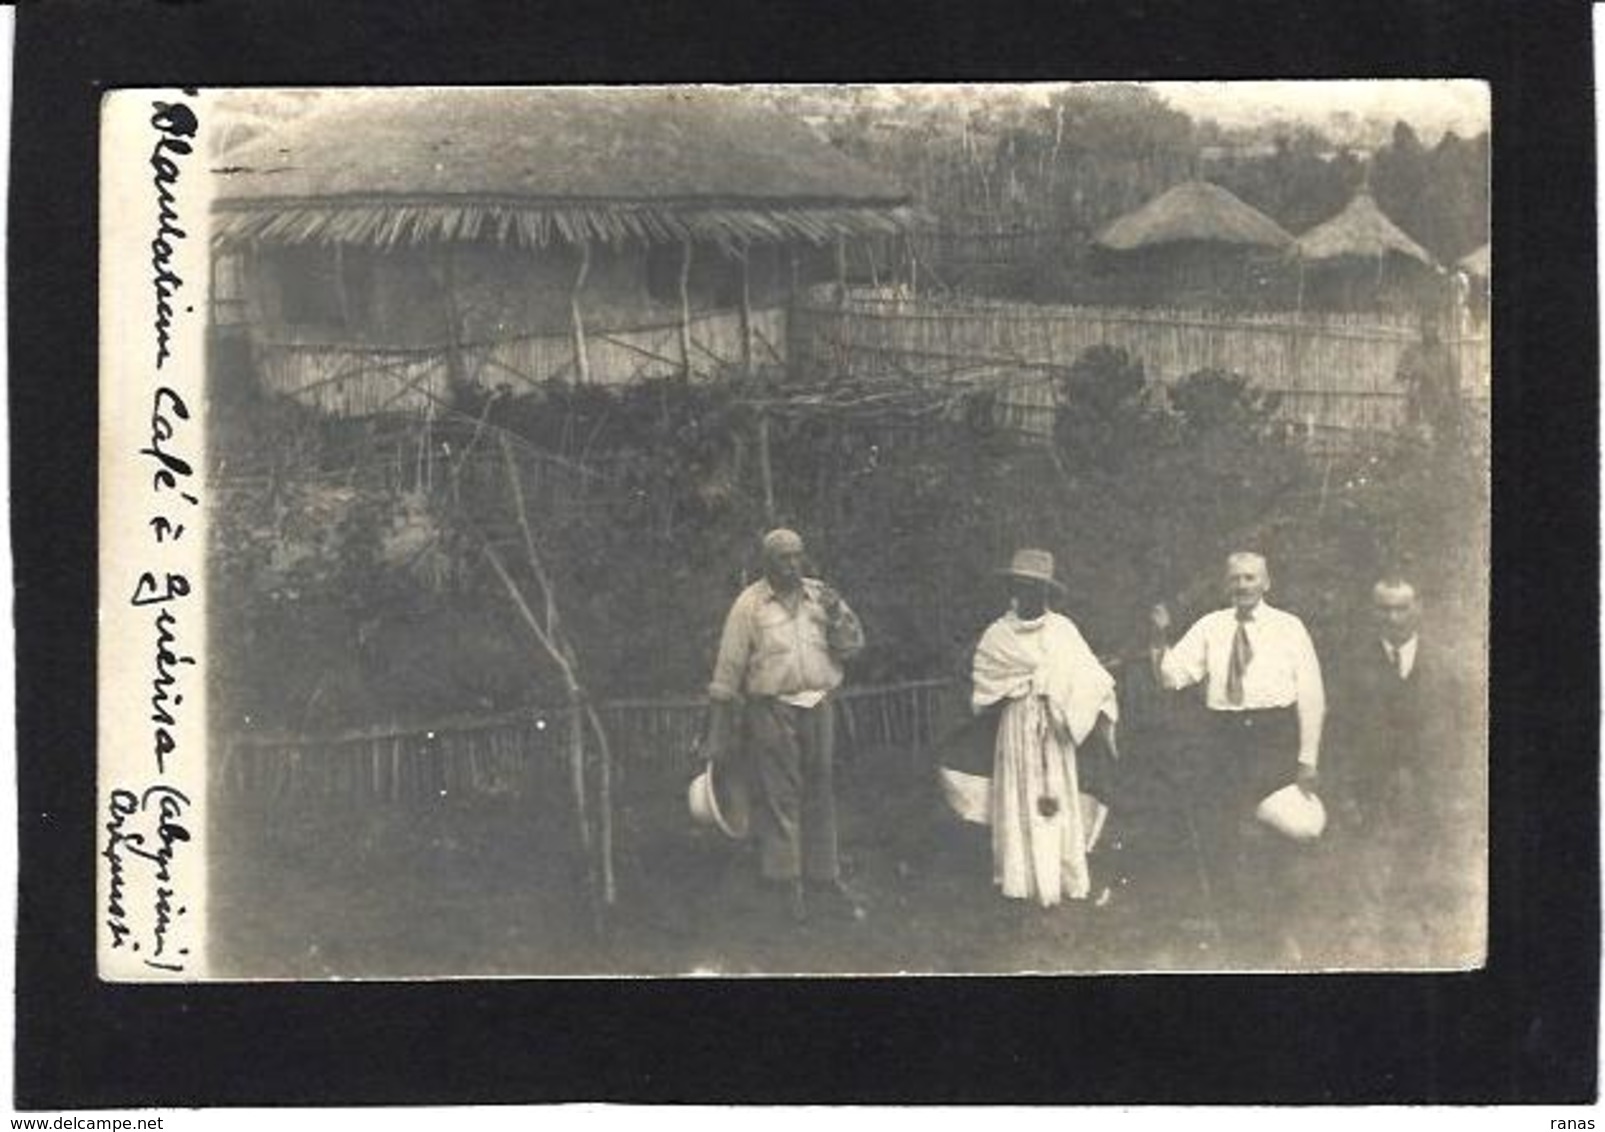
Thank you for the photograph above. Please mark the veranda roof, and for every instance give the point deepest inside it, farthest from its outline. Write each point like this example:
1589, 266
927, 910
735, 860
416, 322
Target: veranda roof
530, 166
1193, 211
1360, 231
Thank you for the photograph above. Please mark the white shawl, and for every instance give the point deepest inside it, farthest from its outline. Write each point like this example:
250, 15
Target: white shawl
1046, 656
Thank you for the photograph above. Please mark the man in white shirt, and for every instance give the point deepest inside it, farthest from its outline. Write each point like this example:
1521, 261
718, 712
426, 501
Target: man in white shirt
1266, 705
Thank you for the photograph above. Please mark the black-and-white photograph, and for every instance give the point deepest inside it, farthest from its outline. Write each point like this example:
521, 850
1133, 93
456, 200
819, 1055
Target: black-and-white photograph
849, 530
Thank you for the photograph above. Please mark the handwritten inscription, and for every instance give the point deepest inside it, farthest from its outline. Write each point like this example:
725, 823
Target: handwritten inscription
146, 823
175, 125
146, 832
167, 663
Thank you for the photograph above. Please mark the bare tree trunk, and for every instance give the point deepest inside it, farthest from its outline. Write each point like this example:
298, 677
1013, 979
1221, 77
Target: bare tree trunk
604, 807
596, 845
685, 308
575, 694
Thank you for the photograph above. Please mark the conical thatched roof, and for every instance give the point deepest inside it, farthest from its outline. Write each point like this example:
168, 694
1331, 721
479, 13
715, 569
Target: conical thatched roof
1477, 262
1194, 211
1360, 231
530, 166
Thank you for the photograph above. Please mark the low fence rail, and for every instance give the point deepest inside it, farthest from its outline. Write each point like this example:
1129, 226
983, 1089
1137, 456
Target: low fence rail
523, 753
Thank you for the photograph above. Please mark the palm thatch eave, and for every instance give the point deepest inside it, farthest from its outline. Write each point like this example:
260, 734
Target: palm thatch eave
396, 223
538, 165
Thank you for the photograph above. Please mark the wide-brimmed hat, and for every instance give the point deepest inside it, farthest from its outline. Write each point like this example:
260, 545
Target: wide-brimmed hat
1293, 813
718, 799
1034, 565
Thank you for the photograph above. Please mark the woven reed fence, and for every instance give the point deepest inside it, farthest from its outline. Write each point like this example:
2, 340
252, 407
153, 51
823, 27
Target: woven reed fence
1334, 372
523, 753
990, 247
359, 380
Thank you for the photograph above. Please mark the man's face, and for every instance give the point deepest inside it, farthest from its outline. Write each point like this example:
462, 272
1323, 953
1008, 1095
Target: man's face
1030, 597
1397, 611
785, 568
1246, 581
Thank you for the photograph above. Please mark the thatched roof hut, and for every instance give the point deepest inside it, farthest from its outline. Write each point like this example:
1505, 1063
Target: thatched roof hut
1361, 260
1360, 231
1194, 245
535, 166
525, 235
1193, 212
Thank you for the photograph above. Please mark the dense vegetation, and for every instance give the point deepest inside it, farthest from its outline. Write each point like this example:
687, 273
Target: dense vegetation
1056, 174
349, 594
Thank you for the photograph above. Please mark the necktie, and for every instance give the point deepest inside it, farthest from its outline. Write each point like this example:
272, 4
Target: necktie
1242, 654
1396, 654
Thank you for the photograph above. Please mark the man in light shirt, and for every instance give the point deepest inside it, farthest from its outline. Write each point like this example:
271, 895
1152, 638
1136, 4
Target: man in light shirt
1266, 705
780, 658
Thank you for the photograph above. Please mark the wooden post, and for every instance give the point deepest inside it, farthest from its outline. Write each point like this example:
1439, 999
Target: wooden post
339, 285
582, 361
746, 311
764, 467
685, 307
456, 372
793, 295
841, 272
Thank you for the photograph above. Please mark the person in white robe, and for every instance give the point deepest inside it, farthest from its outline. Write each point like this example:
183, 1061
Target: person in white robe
1034, 669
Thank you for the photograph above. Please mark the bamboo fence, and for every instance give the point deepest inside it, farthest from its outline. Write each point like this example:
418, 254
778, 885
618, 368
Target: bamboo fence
359, 380
1335, 373
1001, 246
523, 753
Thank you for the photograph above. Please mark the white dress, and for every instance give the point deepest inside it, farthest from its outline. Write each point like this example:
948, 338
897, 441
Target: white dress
1054, 688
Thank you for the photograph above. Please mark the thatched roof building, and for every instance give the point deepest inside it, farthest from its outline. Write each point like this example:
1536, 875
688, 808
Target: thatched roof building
1193, 212
390, 246
1360, 231
1195, 245
533, 167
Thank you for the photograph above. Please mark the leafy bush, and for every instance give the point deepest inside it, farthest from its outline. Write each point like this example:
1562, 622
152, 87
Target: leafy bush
1140, 493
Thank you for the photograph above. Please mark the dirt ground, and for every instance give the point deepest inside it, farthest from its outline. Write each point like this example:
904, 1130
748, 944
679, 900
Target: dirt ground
492, 887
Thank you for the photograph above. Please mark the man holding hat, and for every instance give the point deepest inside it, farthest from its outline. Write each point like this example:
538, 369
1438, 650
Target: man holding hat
1266, 705
780, 658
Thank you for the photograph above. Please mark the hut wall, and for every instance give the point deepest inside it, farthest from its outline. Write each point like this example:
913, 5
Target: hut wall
1358, 285
1195, 276
397, 298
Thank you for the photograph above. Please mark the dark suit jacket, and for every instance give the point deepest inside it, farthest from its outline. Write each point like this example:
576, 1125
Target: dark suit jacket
1398, 749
